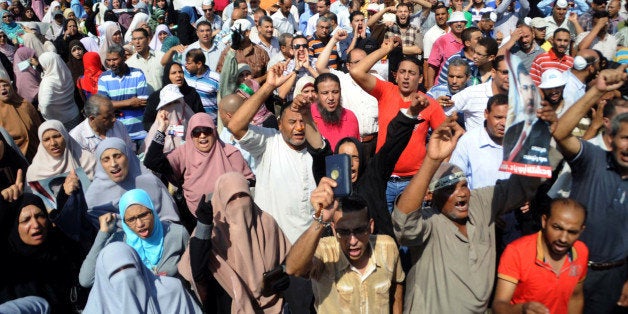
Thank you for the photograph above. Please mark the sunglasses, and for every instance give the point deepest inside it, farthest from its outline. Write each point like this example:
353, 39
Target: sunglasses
346, 233
197, 131
297, 46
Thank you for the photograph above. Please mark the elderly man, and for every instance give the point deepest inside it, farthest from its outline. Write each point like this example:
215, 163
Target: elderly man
100, 124
586, 66
322, 7
556, 58
353, 260
544, 272
456, 270
319, 40
599, 183
285, 49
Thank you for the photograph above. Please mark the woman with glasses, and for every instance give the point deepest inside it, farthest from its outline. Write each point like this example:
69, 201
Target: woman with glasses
196, 164
159, 244
12, 29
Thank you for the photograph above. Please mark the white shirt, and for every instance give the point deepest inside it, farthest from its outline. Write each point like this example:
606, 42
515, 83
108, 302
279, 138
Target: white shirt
87, 138
284, 179
359, 101
472, 102
574, 89
272, 49
311, 25
430, 37
607, 46
479, 157
284, 24
152, 68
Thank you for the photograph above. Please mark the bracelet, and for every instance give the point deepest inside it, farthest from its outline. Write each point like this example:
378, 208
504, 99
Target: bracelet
320, 220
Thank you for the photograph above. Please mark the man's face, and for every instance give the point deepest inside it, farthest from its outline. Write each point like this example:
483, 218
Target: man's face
204, 33
323, 29
321, 8
457, 4
352, 231
480, 56
598, 7
561, 42
554, 95
356, 56
473, 40
620, 147
613, 8
254, 4
191, 66
114, 62
140, 42
329, 95
402, 14
539, 33
500, 76
292, 128
408, 77
358, 21
350, 149
486, 25
496, 121
285, 7
243, 7
299, 48
116, 164
287, 49
266, 30
559, 14
208, 11
106, 117
561, 229
526, 40
527, 92
457, 27
456, 206
441, 16
457, 78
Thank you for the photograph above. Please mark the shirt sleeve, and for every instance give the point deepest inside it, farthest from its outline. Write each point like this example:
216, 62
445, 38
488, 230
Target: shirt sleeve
254, 141
509, 265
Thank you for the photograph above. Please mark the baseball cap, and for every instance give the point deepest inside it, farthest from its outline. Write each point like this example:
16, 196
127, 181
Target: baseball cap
562, 4
552, 78
169, 94
446, 175
538, 22
456, 17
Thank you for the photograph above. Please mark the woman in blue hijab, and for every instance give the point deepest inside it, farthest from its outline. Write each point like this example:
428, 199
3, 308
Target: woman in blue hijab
10, 27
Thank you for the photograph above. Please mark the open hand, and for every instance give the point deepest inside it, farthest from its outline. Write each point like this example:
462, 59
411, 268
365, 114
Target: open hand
444, 139
275, 75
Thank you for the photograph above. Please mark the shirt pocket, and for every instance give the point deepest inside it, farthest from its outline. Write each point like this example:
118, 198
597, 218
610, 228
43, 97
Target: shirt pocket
345, 296
382, 295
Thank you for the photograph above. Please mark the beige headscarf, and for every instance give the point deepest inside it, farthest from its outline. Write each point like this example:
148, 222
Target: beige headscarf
45, 166
246, 242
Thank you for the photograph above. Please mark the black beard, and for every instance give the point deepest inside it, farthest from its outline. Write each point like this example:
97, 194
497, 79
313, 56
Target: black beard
332, 117
556, 103
403, 25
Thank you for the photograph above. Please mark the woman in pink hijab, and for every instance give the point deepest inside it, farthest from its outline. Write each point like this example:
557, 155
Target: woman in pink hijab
197, 163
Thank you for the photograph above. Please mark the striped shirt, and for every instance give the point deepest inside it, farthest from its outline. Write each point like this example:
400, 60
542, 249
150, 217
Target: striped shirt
549, 60
206, 86
117, 88
316, 46
474, 72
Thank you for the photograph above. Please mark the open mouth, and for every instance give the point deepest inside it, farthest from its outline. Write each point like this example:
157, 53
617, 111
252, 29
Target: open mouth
116, 172
354, 252
143, 233
4, 93
37, 235
461, 206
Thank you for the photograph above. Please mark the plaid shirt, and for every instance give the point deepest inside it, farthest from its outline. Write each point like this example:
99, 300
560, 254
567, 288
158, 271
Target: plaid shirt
411, 36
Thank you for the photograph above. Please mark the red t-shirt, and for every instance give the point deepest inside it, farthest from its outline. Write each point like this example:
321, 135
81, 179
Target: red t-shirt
523, 264
389, 102
348, 126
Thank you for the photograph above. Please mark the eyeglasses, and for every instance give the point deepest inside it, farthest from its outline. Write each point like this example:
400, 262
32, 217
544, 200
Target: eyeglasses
197, 131
346, 233
143, 216
297, 46
354, 62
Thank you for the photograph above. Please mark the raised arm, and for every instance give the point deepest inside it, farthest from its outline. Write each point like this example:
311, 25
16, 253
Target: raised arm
360, 72
323, 58
377, 16
586, 42
239, 123
608, 80
299, 259
442, 144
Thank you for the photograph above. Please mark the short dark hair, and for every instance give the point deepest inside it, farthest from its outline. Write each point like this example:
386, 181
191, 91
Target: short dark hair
203, 23
236, 3
299, 37
325, 77
141, 30
263, 19
283, 39
354, 14
490, 44
405, 4
599, 14
196, 55
561, 29
610, 109
497, 61
617, 121
567, 202
466, 33
496, 100
413, 60
332, 17
353, 203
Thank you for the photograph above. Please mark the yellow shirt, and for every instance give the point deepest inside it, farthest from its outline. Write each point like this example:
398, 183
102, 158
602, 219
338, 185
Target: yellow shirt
341, 288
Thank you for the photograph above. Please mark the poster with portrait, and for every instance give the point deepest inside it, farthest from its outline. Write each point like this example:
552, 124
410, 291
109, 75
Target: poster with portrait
527, 139
47, 189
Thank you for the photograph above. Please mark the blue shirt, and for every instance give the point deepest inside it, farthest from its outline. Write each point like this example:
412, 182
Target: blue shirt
474, 78
118, 88
206, 86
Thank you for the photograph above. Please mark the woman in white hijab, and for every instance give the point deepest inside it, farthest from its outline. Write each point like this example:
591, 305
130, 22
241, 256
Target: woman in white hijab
138, 19
112, 36
35, 40
161, 32
56, 91
54, 5
124, 285
58, 153
179, 114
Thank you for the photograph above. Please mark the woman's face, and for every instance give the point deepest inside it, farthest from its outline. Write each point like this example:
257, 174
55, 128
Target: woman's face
245, 75
176, 75
3, 38
53, 142
203, 138
162, 35
77, 52
32, 225
140, 220
29, 13
115, 164
71, 27
116, 4
161, 4
309, 93
5, 91
7, 17
117, 37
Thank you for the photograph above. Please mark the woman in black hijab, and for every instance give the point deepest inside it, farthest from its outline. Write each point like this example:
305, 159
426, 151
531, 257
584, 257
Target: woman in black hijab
39, 259
70, 33
75, 64
173, 74
11, 160
185, 30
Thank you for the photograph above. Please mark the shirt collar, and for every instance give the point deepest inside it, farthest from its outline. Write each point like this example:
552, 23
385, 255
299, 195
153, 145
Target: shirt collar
151, 54
344, 264
540, 256
486, 140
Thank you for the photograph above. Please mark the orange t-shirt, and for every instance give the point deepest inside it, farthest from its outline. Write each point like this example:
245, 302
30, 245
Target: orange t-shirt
389, 102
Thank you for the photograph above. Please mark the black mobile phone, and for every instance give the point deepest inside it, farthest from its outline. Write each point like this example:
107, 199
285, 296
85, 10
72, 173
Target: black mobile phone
338, 167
